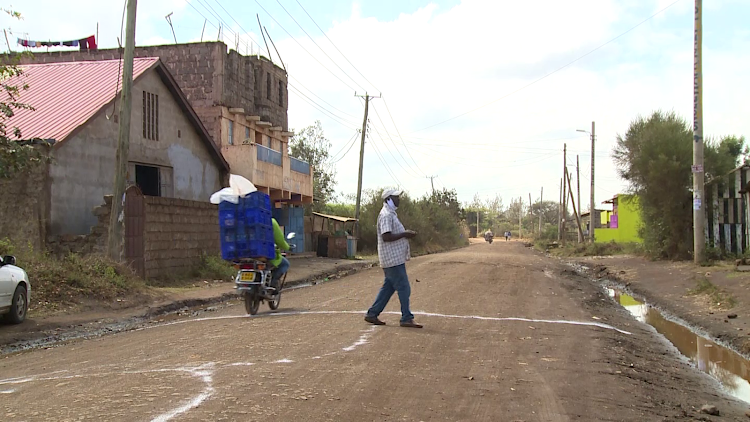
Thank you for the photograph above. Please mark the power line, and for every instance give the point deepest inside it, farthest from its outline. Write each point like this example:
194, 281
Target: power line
351, 142
382, 160
388, 149
300, 96
334, 46
400, 137
303, 48
551, 73
394, 144
320, 106
316, 44
320, 98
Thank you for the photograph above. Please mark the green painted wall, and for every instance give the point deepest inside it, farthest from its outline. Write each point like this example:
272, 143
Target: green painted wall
629, 221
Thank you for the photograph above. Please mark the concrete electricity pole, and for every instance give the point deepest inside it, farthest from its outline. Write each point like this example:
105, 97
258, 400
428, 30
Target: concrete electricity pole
564, 193
578, 182
117, 217
593, 208
361, 160
699, 236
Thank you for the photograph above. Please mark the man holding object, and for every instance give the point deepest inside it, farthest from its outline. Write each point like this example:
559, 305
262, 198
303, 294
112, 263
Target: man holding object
393, 251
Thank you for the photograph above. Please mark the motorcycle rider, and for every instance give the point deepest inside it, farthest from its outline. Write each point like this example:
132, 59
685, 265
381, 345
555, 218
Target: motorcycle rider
280, 264
488, 235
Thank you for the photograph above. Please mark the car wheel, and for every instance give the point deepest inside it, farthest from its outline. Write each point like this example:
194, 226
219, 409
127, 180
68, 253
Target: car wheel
19, 307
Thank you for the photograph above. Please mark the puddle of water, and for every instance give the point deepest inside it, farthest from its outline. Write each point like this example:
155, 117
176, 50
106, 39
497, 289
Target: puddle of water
726, 366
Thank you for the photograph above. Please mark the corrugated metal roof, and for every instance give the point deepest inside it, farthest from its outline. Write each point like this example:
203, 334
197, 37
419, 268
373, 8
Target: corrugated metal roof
66, 95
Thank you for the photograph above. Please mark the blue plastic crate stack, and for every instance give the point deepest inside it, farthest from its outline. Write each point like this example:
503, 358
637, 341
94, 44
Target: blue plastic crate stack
246, 230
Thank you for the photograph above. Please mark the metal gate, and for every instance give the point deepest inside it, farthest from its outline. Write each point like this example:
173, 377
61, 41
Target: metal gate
135, 218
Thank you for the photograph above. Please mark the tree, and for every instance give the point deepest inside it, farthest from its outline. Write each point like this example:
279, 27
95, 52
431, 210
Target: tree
655, 156
311, 145
16, 154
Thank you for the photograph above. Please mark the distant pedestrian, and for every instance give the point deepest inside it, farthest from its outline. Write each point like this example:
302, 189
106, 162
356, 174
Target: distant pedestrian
393, 251
507, 235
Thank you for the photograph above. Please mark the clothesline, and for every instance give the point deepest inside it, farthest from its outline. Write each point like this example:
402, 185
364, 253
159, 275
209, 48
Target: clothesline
88, 43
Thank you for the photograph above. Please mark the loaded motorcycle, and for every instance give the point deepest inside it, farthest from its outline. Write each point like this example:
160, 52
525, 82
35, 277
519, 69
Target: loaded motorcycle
253, 282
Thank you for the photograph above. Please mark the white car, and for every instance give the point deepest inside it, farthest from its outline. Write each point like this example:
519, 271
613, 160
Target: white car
14, 290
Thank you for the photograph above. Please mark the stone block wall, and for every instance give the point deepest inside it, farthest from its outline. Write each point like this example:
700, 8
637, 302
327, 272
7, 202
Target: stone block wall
24, 207
177, 233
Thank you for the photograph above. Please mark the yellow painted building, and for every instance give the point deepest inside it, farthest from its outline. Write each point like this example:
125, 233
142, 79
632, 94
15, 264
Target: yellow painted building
622, 223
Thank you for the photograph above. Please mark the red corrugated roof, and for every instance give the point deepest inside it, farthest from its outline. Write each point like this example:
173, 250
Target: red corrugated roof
66, 95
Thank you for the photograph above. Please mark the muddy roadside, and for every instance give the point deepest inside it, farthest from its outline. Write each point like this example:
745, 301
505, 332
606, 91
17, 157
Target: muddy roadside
102, 320
713, 301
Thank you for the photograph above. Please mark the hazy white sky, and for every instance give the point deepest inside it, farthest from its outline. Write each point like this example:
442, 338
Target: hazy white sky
436, 60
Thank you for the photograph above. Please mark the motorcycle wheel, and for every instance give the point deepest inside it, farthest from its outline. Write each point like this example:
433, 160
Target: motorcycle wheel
252, 303
274, 303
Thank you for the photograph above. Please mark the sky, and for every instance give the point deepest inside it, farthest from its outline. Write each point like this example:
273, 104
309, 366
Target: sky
482, 94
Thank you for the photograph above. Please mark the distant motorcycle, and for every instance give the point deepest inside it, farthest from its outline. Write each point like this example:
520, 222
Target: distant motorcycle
488, 238
253, 282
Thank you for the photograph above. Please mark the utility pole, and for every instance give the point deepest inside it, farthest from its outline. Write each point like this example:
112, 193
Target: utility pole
478, 213
578, 218
578, 182
520, 217
531, 213
541, 211
699, 236
432, 182
559, 214
593, 208
117, 216
564, 193
361, 159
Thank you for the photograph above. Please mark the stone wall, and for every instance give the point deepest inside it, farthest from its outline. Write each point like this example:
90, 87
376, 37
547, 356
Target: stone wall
24, 207
208, 75
177, 233
93, 243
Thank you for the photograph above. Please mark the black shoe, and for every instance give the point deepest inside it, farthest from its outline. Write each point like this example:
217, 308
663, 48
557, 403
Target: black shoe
410, 324
374, 320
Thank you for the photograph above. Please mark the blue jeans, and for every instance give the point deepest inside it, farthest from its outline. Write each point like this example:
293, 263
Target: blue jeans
280, 270
396, 280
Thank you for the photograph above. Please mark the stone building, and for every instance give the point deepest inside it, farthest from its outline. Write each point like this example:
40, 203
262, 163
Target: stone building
171, 153
242, 102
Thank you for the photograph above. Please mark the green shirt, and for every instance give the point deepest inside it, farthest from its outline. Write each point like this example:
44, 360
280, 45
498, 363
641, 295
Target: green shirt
280, 241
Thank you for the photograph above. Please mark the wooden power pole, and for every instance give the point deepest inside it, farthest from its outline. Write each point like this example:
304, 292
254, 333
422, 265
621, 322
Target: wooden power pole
520, 217
117, 217
593, 208
541, 211
531, 213
572, 199
361, 161
559, 213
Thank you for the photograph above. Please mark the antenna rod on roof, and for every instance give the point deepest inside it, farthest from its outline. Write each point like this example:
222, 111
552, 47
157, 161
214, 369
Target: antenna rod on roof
264, 38
204, 29
169, 19
274, 47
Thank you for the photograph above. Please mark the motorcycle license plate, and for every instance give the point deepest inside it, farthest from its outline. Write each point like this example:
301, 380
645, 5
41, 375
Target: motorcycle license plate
247, 276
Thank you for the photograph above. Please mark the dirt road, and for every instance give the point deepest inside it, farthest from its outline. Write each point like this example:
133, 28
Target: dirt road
510, 335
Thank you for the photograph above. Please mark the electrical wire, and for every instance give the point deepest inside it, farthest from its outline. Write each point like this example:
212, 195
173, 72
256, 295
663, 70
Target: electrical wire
303, 48
353, 142
377, 132
320, 107
316, 44
401, 137
300, 96
334, 46
394, 145
382, 160
553, 72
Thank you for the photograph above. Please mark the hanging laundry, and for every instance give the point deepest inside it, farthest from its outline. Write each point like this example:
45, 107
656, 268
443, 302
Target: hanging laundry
88, 43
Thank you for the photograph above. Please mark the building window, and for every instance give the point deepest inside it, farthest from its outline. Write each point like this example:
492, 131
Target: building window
150, 116
268, 85
281, 93
230, 133
147, 178
258, 138
247, 135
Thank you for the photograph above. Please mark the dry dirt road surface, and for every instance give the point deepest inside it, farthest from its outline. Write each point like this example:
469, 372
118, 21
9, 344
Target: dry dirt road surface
510, 335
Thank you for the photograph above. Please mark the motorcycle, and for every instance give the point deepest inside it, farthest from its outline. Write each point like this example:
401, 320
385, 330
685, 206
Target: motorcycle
488, 238
253, 282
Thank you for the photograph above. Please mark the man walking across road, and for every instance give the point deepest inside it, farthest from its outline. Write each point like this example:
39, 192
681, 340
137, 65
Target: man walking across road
393, 251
